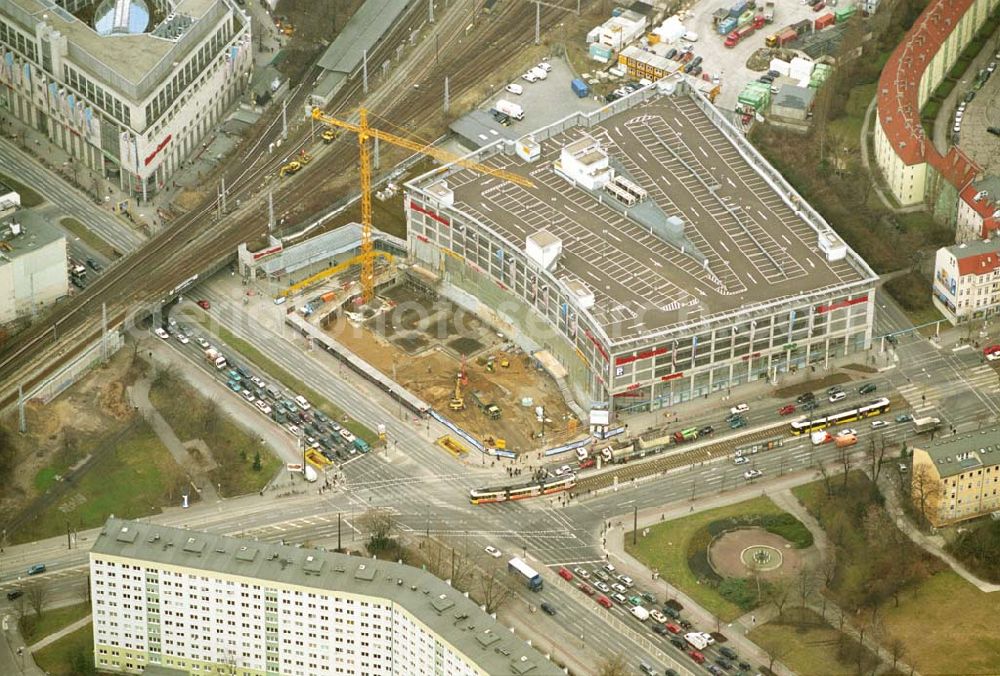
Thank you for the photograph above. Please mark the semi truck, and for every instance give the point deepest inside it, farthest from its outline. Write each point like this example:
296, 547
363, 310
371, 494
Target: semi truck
690, 434
528, 575
781, 38
510, 109
926, 424
738, 35
215, 357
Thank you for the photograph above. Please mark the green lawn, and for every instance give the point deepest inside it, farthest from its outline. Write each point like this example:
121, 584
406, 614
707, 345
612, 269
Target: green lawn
810, 646
89, 238
286, 378
72, 655
964, 640
134, 477
665, 549
52, 621
849, 125
45, 478
233, 448
29, 198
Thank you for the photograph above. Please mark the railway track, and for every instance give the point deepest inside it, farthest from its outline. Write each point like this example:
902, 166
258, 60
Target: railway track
197, 240
664, 462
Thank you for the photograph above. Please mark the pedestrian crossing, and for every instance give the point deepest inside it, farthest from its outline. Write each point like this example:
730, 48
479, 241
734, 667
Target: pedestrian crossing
935, 396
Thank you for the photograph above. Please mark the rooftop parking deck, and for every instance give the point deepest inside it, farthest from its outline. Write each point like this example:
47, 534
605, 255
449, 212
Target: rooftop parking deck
749, 245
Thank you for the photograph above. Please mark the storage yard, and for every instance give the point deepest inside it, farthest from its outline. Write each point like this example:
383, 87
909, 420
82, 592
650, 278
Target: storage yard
421, 343
707, 254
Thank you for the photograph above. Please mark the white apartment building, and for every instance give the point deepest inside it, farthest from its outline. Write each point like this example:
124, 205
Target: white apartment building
32, 265
133, 92
967, 280
202, 603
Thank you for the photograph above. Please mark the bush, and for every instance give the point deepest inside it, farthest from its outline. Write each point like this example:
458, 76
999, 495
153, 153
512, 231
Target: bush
741, 591
790, 528
912, 291
979, 549
697, 557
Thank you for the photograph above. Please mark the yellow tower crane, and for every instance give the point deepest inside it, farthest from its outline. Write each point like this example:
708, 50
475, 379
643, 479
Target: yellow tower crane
364, 132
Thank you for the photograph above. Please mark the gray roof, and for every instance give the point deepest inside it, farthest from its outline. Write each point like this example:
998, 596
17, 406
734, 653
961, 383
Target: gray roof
453, 617
976, 247
794, 96
36, 232
362, 32
960, 453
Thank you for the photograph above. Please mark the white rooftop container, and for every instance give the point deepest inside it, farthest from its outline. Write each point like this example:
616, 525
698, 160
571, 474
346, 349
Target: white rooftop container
831, 245
801, 68
782, 67
581, 292
528, 149
544, 248
442, 193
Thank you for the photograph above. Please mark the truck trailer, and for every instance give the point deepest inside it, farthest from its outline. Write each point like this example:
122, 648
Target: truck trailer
215, 357
511, 109
926, 424
528, 575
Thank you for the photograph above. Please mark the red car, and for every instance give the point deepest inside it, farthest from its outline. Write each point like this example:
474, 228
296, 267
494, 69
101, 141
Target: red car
604, 601
204, 304
819, 6
697, 656
787, 409
990, 349
565, 574
585, 588
673, 628
587, 462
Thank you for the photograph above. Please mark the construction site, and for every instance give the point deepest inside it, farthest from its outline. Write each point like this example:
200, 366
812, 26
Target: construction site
461, 367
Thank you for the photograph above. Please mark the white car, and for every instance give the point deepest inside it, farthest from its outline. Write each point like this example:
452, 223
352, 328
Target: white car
514, 89
565, 469
609, 567
161, 333
847, 431
530, 76
752, 474
878, 424
545, 65
993, 356
263, 406
618, 587
493, 551
837, 396
202, 342
302, 402
539, 73
280, 300
602, 586
182, 338
658, 616
626, 580
294, 429
741, 460
580, 572
348, 437
739, 409
248, 395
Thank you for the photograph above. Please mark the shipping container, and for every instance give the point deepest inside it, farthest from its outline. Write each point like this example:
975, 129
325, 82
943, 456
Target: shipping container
803, 27
580, 88
600, 52
825, 21
720, 15
738, 8
845, 13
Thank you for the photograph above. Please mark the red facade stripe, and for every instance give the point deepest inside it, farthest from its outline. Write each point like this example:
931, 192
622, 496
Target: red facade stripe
439, 219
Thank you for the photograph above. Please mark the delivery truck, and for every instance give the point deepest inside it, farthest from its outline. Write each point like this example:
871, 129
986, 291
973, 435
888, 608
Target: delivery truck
215, 357
510, 109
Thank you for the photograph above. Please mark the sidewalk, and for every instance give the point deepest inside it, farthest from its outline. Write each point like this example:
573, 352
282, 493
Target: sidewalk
69, 629
140, 398
931, 543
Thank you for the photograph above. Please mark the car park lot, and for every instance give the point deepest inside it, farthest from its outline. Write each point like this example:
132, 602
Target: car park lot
980, 111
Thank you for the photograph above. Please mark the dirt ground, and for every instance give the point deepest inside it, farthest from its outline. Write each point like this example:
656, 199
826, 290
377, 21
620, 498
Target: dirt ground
94, 406
724, 554
421, 343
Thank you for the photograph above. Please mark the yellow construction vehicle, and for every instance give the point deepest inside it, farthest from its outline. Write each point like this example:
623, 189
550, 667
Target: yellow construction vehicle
305, 158
364, 132
490, 365
329, 135
289, 169
457, 402
504, 362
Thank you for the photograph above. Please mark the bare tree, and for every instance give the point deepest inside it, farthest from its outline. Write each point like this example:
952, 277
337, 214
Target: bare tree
875, 454
829, 569
925, 491
614, 666
827, 483
380, 526
494, 592
778, 594
844, 458
774, 647
805, 585
37, 594
210, 414
897, 648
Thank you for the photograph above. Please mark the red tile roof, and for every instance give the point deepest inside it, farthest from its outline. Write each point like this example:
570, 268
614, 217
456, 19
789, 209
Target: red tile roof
985, 207
978, 264
898, 111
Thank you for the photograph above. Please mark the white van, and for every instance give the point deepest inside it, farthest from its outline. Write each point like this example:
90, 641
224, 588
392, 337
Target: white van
514, 89
303, 403
690, 36
640, 613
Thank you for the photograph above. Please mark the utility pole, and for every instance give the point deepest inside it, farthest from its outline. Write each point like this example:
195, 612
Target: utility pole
538, 21
447, 98
338, 533
364, 72
430, 11
284, 119
375, 161
635, 524
270, 211
104, 332
22, 422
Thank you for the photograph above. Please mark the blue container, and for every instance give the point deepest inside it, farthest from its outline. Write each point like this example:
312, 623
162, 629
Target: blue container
580, 88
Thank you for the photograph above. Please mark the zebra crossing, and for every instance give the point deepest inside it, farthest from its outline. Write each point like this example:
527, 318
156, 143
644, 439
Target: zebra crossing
947, 396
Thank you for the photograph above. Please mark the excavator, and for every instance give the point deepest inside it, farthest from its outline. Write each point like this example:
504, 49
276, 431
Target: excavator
457, 402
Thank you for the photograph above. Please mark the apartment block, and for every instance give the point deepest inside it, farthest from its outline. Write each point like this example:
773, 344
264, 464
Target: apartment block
199, 603
958, 477
966, 283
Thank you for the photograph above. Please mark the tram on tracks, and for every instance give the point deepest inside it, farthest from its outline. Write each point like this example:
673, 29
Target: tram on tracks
478, 496
807, 425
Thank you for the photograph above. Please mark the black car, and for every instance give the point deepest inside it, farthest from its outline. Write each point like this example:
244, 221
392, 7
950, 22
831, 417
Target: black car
670, 672
671, 54
724, 663
803, 398
671, 612
773, 73
678, 643
94, 265
810, 405
685, 624
968, 97
706, 430
660, 629
745, 666
612, 97
696, 60
728, 653
548, 608
14, 594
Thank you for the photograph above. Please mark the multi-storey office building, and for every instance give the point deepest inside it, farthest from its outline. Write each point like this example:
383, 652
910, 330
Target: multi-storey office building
210, 604
958, 477
130, 91
658, 256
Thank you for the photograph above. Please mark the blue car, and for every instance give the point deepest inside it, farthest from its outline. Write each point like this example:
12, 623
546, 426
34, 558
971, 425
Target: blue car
234, 386
36, 569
